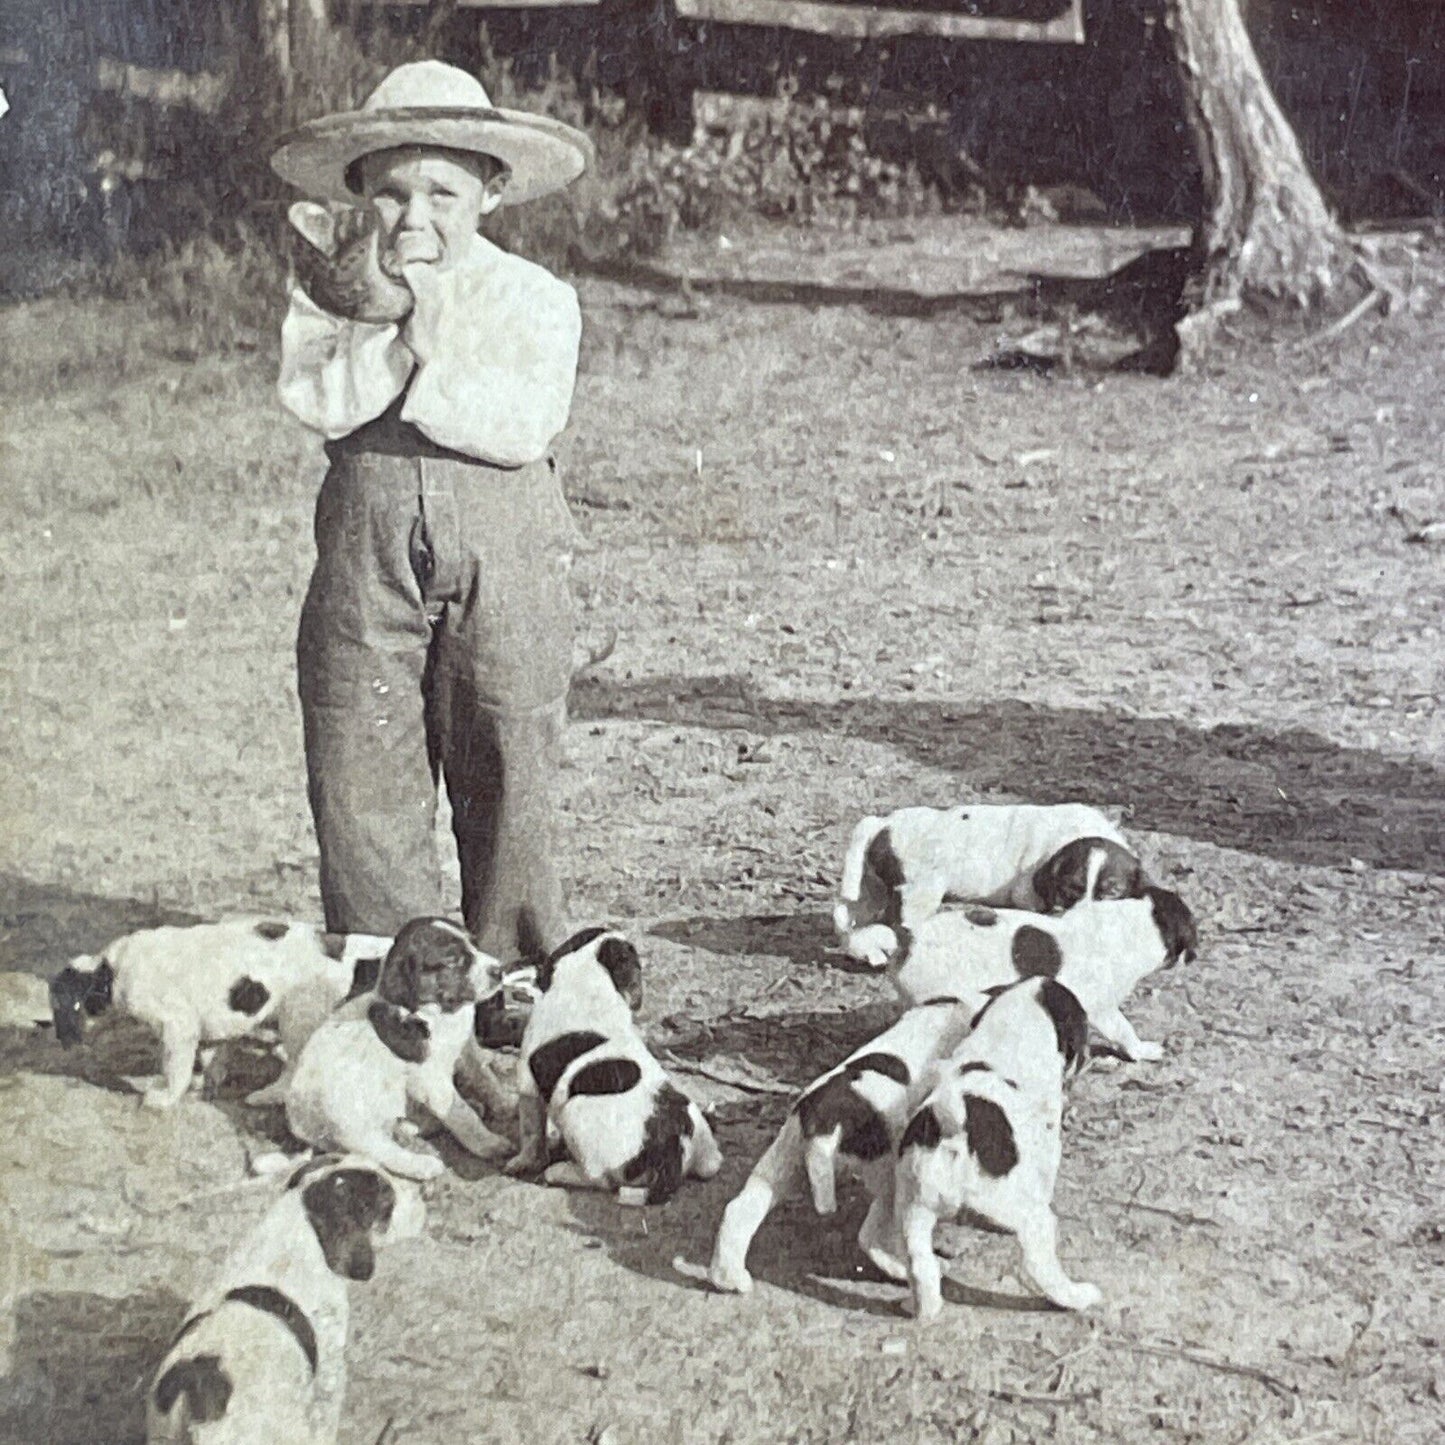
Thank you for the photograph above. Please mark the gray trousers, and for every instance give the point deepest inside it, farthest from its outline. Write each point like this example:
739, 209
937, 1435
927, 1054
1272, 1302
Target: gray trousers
436, 641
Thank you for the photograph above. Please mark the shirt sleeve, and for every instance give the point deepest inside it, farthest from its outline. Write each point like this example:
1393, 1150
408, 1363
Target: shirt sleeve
499, 385
337, 375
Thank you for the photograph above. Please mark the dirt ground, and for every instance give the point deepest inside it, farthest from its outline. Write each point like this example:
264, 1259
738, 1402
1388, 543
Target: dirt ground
850, 568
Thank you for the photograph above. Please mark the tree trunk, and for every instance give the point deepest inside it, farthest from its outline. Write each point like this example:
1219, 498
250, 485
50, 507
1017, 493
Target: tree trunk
1267, 233
312, 44
273, 25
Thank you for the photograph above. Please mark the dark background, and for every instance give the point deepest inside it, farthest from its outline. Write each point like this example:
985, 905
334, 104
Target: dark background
1362, 81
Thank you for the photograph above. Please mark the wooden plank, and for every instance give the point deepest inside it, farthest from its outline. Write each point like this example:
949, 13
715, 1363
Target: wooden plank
865, 22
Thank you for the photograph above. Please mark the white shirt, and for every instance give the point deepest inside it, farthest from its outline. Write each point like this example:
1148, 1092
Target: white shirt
497, 387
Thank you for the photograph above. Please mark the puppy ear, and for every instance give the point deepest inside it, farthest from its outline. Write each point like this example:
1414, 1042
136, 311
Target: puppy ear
624, 967
1135, 881
315, 224
365, 975
312, 1167
1047, 879
1176, 925
98, 995
405, 1034
578, 941
400, 977
75, 992
343, 1208
67, 1000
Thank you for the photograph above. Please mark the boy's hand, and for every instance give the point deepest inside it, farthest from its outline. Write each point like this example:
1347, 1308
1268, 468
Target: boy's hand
420, 332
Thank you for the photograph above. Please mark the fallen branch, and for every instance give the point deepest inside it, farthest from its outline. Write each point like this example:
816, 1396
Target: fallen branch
1182, 1215
1019, 1397
726, 1076
1059, 1362
1376, 297
1272, 1383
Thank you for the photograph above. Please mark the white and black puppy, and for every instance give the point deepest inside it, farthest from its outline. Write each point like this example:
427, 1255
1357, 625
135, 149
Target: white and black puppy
399, 1046
899, 869
261, 1358
854, 1115
987, 1137
965, 952
209, 982
585, 1067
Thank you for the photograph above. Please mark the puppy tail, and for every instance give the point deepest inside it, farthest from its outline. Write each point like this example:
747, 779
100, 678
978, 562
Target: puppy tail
851, 887
820, 1161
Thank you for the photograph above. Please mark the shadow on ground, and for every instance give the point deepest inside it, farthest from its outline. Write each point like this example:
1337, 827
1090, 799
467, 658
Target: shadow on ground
801, 938
1291, 795
80, 1365
791, 1047
795, 1250
42, 925
1142, 299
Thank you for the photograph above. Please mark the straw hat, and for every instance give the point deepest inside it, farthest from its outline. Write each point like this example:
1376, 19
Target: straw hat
427, 103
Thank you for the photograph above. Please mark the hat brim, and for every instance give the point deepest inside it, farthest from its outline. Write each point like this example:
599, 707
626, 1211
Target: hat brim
542, 155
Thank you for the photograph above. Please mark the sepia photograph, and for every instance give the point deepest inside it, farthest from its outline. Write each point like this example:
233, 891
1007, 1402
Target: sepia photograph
724, 722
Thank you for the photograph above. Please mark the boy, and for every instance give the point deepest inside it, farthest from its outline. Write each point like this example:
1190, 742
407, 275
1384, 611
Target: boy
436, 636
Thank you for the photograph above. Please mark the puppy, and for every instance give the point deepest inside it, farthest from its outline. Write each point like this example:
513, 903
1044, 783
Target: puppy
336, 258
584, 1066
397, 1046
209, 982
968, 951
899, 869
987, 1137
261, 1358
857, 1110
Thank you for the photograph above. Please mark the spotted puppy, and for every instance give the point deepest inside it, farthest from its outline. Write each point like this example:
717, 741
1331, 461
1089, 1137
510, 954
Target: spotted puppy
399, 1046
261, 1358
209, 982
585, 1068
899, 869
987, 1138
965, 952
855, 1114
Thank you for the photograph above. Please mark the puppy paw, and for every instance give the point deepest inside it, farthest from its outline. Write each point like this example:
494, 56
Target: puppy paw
888, 1265
1078, 1297
1146, 1053
523, 1164
729, 1278
873, 945
927, 1309
489, 1150
424, 1167
158, 1098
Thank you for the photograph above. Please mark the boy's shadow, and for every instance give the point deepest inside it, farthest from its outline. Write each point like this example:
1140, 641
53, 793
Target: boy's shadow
80, 1365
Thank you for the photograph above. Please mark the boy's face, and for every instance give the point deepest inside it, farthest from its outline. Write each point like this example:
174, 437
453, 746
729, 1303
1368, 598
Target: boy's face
430, 203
